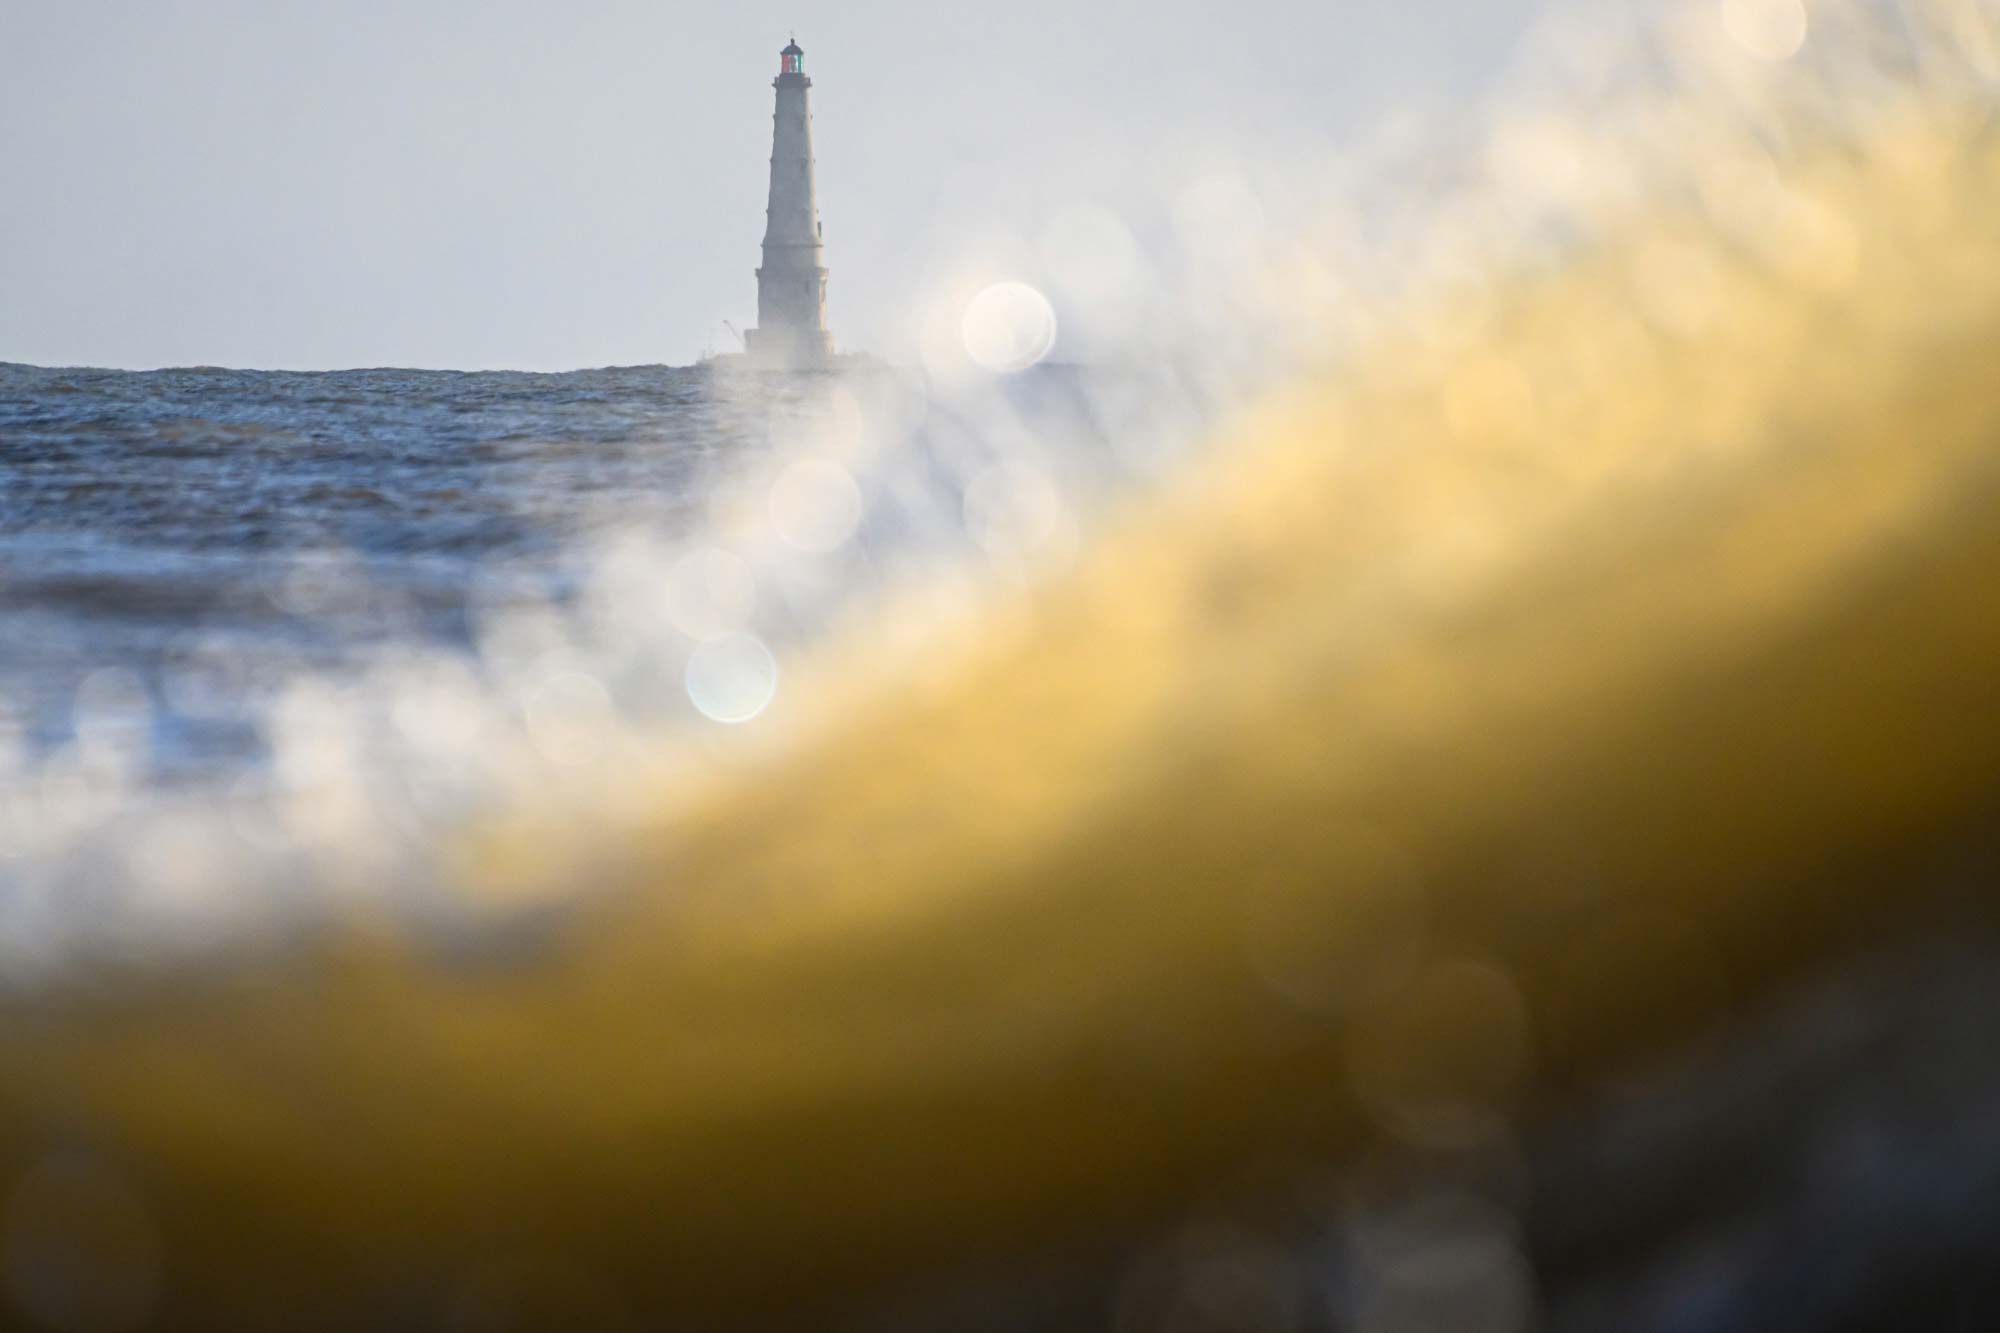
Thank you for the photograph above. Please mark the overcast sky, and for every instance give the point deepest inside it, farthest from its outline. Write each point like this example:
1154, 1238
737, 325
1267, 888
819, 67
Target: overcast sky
498, 183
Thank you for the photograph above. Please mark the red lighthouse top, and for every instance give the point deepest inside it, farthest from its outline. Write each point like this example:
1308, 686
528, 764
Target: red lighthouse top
793, 59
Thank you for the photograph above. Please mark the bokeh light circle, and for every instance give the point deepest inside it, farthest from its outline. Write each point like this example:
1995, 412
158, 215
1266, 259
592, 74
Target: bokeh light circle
1767, 30
1009, 327
733, 679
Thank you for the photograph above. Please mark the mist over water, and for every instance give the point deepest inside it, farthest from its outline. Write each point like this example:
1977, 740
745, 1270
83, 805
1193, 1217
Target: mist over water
321, 619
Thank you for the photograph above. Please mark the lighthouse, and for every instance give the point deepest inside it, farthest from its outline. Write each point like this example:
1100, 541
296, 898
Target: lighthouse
791, 285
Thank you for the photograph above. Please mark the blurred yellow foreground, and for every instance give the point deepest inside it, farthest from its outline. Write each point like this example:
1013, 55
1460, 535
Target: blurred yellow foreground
1526, 694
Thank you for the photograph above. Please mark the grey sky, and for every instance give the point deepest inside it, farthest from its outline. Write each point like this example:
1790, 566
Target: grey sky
547, 185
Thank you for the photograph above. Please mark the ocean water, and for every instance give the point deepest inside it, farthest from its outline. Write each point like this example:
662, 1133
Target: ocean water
205, 534
268, 629
180, 547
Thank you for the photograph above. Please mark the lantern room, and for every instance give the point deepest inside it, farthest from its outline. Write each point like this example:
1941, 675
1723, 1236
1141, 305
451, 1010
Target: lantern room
792, 59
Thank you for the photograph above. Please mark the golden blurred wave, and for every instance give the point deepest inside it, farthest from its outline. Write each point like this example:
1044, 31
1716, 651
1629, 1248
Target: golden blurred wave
1524, 694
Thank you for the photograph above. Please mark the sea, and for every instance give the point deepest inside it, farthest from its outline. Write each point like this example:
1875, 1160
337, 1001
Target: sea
350, 608
179, 548
204, 535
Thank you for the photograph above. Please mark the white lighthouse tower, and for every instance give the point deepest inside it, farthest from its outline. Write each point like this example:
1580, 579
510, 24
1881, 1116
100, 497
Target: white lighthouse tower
791, 286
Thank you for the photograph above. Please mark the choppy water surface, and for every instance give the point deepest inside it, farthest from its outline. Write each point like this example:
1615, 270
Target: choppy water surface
180, 546
269, 641
206, 532
265, 629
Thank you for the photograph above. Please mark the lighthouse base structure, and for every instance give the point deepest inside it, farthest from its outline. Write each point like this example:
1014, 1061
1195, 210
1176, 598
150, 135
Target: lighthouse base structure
789, 348
786, 359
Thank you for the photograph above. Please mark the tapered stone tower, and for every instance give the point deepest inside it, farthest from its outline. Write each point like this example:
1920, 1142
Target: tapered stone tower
791, 286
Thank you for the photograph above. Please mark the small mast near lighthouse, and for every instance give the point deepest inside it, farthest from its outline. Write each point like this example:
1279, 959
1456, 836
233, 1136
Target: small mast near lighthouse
791, 286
